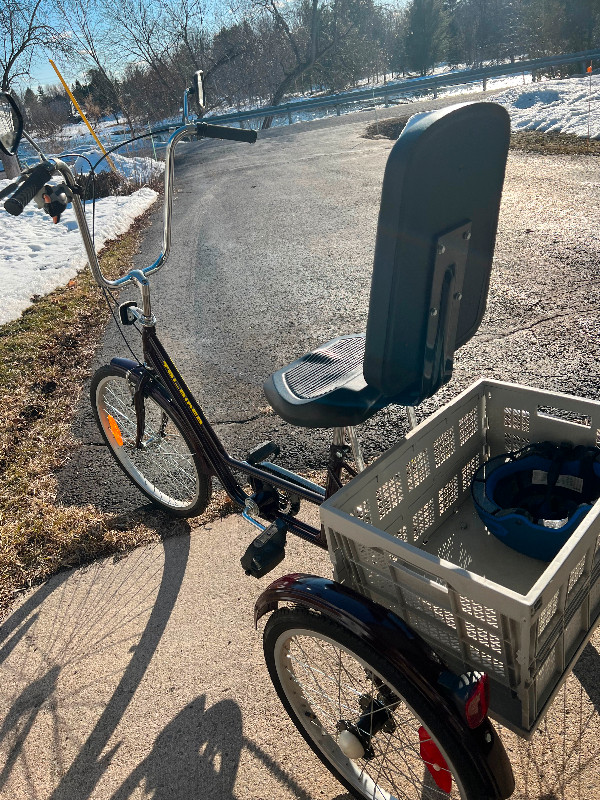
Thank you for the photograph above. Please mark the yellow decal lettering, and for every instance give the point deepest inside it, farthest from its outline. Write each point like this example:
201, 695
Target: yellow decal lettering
181, 392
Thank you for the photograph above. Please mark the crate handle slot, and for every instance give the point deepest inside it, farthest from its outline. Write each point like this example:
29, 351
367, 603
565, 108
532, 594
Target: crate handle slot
565, 415
412, 575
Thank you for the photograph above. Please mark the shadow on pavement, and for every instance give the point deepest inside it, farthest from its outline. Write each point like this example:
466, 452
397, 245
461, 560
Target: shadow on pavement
197, 754
587, 672
80, 628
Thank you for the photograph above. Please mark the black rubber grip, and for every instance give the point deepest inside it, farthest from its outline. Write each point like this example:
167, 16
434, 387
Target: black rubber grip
28, 190
221, 132
8, 190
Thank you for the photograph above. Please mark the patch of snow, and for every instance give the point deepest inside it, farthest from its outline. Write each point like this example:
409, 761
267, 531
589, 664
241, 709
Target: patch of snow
564, 106
138, 168
37, 256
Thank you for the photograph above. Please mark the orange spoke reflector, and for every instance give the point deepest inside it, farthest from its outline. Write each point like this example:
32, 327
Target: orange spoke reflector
435, 761
115, 430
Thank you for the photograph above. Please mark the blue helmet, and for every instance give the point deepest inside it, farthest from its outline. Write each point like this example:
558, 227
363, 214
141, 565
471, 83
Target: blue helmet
534, 499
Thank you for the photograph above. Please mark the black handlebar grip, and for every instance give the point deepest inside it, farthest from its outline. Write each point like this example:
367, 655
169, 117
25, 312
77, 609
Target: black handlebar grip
221, 132
28, 189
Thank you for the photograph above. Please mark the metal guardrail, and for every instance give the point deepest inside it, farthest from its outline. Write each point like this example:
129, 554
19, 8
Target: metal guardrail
409, 86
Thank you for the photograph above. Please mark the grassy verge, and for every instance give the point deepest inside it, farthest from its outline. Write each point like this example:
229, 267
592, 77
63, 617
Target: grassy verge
530, 141
45, 357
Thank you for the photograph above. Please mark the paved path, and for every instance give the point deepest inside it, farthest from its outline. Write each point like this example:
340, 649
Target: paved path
144, 678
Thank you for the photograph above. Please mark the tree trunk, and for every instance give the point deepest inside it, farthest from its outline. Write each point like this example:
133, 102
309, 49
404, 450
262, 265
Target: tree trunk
11, 166
279, 93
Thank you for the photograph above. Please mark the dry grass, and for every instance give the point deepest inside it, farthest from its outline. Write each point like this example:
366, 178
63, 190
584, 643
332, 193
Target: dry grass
530, 141
45, 357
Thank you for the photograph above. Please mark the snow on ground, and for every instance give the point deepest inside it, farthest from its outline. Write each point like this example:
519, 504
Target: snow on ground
564, 106
37, 256
138, 168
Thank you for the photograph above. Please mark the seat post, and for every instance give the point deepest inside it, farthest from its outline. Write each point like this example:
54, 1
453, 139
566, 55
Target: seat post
356, 449
339, 440
339, 437
412, 417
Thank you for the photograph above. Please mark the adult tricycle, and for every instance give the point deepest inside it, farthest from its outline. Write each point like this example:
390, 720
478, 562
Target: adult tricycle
389, 669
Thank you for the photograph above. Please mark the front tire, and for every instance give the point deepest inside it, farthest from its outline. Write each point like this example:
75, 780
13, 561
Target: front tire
333, 686
165, 468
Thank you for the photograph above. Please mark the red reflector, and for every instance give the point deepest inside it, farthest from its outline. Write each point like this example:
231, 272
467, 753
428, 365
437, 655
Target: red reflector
476, 706
435, 761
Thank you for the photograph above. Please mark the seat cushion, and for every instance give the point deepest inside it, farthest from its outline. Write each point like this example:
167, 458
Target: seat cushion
325, 388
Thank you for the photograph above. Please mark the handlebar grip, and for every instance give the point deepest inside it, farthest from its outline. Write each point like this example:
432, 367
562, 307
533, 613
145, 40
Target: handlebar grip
29, 188
221, 132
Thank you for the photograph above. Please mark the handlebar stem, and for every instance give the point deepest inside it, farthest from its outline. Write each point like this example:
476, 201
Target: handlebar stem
143, 284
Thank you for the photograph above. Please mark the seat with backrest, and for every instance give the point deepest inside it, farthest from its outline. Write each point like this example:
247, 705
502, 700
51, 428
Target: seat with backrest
434, 247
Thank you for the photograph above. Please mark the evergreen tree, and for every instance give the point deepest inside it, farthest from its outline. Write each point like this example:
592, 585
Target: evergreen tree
426, 34
581, 24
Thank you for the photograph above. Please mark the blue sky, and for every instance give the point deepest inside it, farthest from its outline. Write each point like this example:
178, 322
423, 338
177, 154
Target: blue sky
42, 73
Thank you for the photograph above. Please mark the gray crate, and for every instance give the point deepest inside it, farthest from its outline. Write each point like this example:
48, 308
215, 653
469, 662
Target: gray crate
405, 533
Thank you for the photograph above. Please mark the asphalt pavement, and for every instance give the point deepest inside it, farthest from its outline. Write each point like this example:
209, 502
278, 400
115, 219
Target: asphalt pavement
272, 251
272, 255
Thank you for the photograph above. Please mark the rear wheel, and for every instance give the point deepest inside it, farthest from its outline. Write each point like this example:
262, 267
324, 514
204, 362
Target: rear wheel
367, 723
165, 467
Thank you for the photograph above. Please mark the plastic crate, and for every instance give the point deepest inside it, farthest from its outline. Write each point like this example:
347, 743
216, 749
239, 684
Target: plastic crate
405, 533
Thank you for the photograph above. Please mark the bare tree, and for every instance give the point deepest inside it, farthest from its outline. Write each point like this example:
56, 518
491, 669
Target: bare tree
172, 39
24, 29
311, 30
89, 42
147, 35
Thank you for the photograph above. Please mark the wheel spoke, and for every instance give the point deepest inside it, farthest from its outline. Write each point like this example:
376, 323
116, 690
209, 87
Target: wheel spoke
326, 683
164, 465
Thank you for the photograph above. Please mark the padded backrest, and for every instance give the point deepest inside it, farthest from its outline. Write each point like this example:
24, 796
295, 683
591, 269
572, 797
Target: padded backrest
435, 241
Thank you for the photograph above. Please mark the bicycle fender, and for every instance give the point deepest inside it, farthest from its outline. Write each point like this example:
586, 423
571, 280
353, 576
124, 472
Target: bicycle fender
394, 640
141, 376
137, 370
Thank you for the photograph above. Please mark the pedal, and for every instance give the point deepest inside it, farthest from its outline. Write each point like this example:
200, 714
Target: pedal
266, 551
263, 452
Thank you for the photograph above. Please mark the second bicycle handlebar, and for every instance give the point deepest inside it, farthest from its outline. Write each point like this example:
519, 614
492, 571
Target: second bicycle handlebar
37, 179
221, 132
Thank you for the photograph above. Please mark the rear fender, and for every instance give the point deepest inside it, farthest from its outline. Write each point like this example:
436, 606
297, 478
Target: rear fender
394, 640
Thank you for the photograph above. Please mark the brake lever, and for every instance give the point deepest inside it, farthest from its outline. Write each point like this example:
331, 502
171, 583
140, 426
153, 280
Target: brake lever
54, 199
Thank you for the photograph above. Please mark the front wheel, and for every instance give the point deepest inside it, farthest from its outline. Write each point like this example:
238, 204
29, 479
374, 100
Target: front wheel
164, 467
367, 723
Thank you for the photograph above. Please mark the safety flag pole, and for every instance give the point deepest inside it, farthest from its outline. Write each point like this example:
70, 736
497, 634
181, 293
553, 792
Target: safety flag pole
83, 117
589, 69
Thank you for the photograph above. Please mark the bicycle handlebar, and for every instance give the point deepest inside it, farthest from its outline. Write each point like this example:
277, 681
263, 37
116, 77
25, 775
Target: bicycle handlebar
25, 193
39, 175
221, 132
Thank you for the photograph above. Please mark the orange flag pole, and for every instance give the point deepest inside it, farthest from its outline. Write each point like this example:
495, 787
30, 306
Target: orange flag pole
83, 117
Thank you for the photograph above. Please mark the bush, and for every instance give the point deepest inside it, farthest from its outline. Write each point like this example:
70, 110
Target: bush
107, 184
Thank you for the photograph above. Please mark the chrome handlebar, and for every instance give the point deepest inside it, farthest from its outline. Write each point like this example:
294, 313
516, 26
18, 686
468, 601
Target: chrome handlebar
139, 277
